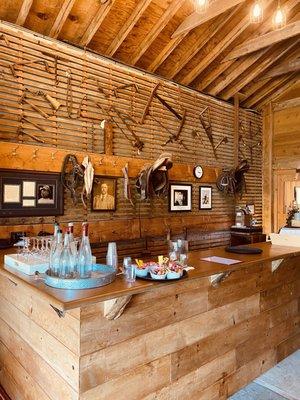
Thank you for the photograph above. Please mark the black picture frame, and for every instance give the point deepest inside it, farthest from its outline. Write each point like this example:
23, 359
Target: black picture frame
109, 203
180, 193
30, 193
205, 198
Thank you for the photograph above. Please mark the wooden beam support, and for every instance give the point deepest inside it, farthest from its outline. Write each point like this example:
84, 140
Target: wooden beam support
221, 46
156, 30
236, 129
127, 27
284, 68
287, 104
64, 11
24, 11
267, 176
215, 8
96, 22
266, 40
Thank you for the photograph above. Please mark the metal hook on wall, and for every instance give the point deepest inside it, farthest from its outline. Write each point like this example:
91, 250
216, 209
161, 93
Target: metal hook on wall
14, 152
34, 157
53, 155
100, 162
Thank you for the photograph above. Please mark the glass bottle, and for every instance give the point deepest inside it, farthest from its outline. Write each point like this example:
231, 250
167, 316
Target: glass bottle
73, 245
56, 229
85, 264
55, 253
66, 269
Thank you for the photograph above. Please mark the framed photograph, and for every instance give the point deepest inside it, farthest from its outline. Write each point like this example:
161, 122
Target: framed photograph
104, 194
251, 208
180, 197
205, 198
30, 193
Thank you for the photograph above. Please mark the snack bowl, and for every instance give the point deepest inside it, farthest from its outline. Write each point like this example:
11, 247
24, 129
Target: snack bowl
158, 272
158, 277
174, 275
141, 272
175, 270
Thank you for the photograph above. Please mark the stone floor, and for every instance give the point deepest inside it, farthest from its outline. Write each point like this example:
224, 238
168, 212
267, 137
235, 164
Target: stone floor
279, 383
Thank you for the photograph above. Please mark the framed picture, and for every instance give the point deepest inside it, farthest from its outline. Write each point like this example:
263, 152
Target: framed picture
104, 194
30, 193
205, 198
180, 197
251, 208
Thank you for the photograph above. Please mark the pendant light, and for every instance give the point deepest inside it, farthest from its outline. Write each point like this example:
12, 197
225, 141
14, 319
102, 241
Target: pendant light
201, 5
279, 19
257, 12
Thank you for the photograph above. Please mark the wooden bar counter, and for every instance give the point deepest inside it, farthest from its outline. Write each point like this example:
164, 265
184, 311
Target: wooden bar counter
186, 340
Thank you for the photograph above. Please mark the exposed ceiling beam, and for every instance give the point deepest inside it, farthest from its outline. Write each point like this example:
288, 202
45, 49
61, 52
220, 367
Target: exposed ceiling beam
280, 90
127, 27
237, 67
284, 68
216, 8
219, 48
275, 54
201, 41
64, 11
94, 25
266, 40
287, 104
156, 30
24, 11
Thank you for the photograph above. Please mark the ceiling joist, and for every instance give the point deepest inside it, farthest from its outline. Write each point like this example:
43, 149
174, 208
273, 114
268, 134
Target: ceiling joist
61, 18
216, 8
284, 68
266, 40
24, 11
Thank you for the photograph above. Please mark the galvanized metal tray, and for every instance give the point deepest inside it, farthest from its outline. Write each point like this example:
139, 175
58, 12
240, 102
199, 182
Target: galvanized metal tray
102, 275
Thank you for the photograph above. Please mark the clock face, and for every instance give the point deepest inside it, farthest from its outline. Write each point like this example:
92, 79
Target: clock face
198, 171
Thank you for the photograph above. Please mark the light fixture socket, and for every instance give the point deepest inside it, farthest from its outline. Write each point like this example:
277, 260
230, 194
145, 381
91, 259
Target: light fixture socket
257, 12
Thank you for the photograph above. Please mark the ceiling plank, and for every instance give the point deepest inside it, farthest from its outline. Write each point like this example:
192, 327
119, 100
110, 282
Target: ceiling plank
287, 104
202, 40
216, 8
127, 27
156, 30
241, 65
276, 53
266, 40
279, 91
24, 11
284, 68
64, 11
94, 25
219, 48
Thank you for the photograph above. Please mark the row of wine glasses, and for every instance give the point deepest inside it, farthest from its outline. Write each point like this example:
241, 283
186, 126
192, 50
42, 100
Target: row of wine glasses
35, 248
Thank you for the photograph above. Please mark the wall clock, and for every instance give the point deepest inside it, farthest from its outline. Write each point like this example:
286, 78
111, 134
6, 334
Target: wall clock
198, 171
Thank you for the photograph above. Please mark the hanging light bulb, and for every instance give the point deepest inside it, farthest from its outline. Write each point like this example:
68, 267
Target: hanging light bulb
257, 12
279, 19
201, 5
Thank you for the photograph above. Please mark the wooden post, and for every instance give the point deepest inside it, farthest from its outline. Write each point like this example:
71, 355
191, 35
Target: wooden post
267, 179
236, 129
108, 138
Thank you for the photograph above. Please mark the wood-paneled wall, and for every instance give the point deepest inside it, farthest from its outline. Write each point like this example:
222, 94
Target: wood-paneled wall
84, 133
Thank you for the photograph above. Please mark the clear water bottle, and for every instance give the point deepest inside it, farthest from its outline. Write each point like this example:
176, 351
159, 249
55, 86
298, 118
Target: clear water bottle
66, 269
55, 253
73, 245
112, 255
56, 229
85, 263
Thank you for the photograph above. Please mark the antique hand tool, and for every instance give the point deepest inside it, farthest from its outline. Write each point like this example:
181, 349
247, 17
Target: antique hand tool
208, 127
3, 37
33, 123
99, 87
34, 61
55, 104
20, 132
69, 94
133, 85
223, 140
56, 59
23, 99
175, 137
197, 134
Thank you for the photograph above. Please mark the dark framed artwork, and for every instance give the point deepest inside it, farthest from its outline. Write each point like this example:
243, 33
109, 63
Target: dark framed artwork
180, 197
30, 193
104, 194
205, 198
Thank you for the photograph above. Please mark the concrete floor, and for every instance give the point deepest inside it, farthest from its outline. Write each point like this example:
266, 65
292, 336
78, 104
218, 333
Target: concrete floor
279, 383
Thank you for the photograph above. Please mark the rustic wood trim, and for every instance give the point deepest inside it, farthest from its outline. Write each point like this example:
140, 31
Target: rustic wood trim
236, 129
24, 11
215, 8
267, 172
61, 18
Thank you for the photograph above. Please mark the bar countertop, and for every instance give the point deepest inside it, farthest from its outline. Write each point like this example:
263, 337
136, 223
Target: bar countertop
70, 299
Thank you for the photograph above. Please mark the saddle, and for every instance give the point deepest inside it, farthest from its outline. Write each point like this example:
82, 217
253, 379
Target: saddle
72, 175
232, 181
153, 179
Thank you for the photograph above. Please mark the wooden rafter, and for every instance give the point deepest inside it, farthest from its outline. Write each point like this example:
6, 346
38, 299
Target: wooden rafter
281, 105
156, 30
64, 11
219, 48
239, 66
199, 44
127, 27
94, 25
279, 90
284, 68
24, 11
216, 8
266, 40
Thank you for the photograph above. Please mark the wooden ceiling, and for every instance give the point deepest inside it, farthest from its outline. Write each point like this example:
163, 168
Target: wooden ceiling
219, 53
